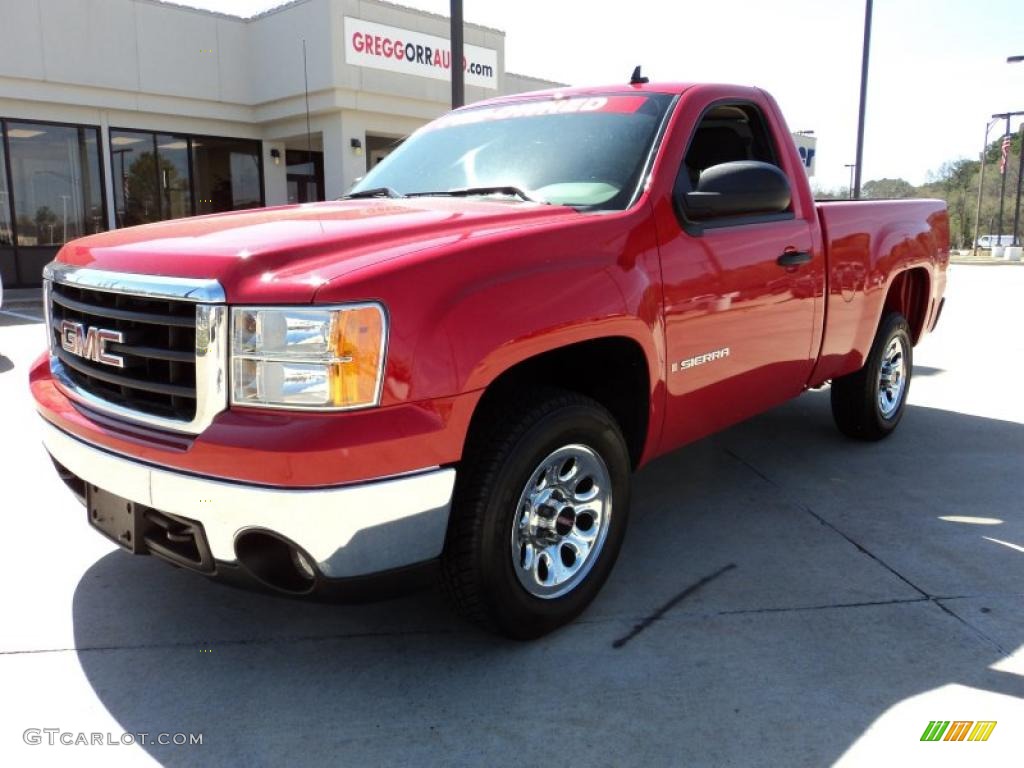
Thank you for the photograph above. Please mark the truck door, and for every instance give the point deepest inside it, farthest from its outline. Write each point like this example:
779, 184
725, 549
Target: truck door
740, 292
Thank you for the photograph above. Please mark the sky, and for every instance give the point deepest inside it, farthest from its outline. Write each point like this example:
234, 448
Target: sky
938, 68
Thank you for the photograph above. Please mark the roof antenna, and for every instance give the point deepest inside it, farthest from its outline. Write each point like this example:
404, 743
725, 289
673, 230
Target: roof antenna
637, 78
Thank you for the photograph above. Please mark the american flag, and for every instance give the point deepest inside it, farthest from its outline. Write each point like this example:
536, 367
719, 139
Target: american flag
1005, 151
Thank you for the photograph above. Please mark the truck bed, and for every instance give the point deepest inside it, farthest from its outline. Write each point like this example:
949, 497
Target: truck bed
867, 241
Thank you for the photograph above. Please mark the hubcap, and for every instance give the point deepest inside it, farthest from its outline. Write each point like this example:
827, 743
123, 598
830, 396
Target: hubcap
562, 521
892, 378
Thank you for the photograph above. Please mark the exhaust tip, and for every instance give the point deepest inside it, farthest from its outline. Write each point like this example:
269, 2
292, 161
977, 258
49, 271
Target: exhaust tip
276, 562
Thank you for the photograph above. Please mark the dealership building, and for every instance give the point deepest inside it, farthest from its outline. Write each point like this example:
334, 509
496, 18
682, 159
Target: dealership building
122, 112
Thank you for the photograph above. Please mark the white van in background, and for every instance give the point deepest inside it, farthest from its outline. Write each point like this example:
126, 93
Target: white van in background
987, 241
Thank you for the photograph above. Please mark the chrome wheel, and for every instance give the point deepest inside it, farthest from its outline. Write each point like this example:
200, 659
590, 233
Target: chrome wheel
562, 521
892, 378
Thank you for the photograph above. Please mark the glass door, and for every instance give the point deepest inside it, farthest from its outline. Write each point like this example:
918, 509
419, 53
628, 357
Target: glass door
305, 176
174, 182
134, 173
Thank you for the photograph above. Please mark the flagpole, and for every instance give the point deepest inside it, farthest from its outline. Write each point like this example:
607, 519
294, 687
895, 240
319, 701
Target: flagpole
1002, 187
859, 162
1020, 164
1020, 177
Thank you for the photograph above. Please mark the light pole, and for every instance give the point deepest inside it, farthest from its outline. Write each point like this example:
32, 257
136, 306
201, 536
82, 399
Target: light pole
852, 166
458, 76
981, 185
863, 99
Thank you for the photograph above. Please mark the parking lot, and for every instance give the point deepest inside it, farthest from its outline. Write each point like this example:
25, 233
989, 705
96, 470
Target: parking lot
785, 597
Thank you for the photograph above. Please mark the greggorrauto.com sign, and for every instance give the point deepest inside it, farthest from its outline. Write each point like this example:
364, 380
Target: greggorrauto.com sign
413, 53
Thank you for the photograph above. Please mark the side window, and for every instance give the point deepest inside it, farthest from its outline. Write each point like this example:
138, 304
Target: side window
727, 133
710, 194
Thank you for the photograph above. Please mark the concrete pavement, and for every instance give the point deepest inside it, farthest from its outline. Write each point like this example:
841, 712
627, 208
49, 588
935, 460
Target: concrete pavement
848, 595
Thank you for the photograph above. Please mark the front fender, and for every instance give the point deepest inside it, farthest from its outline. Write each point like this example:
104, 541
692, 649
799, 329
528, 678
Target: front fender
570, 301
464, 313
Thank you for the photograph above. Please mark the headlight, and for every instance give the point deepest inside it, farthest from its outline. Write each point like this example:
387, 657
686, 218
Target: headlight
319, 358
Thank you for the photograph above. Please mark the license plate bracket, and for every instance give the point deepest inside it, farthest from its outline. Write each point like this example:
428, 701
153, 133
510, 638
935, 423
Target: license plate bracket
115, 517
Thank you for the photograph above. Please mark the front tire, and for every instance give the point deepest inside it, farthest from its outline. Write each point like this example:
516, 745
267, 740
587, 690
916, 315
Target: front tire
539, 514
868, 404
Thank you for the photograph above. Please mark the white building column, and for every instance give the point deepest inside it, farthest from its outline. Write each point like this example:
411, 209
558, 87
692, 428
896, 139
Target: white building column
355, 159
343, 163
337, 163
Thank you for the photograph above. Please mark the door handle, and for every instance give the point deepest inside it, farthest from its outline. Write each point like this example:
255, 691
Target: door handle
793, 258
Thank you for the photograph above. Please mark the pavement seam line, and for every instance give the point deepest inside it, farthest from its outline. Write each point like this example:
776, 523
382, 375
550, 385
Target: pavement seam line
239, 642
20, 316
801, 505
795, 609
995, 644
581, 621
880, 561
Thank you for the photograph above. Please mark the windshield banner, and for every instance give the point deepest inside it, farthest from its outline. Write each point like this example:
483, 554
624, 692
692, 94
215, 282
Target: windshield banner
536, 108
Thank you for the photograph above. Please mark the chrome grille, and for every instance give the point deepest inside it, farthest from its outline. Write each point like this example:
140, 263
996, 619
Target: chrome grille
159, 373
173, 347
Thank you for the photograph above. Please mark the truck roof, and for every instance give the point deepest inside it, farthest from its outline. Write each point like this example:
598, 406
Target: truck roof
674, 88
590, 90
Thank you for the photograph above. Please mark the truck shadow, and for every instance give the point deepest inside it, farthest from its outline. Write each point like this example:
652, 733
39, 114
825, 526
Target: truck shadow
795, 651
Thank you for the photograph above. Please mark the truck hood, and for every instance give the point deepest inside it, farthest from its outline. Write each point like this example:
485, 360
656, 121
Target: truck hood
285, 254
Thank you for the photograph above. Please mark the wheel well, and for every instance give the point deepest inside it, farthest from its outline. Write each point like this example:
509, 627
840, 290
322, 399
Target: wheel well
908, 295
612, 371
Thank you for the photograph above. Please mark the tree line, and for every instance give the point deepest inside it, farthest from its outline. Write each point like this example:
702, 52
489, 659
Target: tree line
956, 182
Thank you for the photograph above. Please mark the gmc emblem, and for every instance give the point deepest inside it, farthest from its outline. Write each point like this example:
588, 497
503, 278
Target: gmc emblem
90, 343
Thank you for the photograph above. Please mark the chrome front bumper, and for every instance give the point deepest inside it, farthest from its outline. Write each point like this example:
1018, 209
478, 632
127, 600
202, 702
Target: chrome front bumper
350, 531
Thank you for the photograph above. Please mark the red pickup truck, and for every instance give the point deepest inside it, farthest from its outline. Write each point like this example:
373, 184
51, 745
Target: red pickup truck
457, 367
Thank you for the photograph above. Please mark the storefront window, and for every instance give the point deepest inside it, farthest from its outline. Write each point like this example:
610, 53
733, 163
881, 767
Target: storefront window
6, 235
227, 174
155, 180
151, 176
8, 266
55, 179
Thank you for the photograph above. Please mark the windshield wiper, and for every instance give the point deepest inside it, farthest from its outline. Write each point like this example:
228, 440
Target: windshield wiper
374, 192
471, 191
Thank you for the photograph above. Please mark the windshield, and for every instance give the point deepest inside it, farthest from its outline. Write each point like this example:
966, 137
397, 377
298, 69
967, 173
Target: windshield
586, 152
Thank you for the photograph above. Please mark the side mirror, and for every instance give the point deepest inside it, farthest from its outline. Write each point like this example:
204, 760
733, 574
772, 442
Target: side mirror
743, 187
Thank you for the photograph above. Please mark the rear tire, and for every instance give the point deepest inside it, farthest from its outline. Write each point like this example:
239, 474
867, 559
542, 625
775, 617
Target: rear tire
539, 514
868, 404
